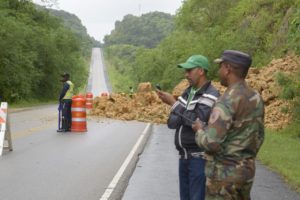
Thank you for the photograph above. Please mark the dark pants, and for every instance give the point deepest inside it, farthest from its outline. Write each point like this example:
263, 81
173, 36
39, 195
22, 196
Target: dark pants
192, 178
66, 114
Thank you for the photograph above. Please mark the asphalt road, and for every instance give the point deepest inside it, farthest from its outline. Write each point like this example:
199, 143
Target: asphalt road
69, 166
65, 166
156, 174
97, 82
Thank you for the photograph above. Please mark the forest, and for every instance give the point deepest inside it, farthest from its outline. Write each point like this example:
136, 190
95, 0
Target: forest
266, 29
37, 45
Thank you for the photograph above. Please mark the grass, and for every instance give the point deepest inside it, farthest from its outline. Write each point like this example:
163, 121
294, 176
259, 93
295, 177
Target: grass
31, 103
281, 152
119, 82
41, 102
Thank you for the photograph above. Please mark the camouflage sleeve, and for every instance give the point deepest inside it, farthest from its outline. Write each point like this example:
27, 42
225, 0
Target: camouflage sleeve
219, 122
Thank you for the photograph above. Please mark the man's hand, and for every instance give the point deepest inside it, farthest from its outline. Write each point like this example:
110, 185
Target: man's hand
197, 125
166, 97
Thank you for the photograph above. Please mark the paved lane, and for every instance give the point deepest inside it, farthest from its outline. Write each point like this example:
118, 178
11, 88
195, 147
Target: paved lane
97, 80
65, 166
49, 165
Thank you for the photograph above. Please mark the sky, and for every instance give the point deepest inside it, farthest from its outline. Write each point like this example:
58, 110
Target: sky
99, 16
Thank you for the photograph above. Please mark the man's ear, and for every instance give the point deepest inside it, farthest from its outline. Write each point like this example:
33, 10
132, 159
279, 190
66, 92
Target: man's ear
202, 72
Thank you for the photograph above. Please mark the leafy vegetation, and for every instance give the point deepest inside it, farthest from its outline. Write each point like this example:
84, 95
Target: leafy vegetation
263, 28
36, 48
291, 91
72, 22
147, 30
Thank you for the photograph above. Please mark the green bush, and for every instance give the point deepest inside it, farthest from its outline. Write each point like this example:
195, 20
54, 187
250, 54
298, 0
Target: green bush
291, 91
35, 49
266, 29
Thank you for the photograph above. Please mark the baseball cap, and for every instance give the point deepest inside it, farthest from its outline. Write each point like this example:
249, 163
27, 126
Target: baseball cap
195, 61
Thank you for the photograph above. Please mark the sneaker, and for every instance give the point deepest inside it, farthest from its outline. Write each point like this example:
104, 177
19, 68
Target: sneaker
61, 130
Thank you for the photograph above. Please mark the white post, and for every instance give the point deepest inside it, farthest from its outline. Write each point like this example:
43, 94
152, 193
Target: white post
3, 117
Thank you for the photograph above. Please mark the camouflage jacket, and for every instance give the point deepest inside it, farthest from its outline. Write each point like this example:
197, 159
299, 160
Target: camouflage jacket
234, 134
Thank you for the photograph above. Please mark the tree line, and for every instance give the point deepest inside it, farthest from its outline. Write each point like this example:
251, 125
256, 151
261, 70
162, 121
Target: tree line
35, 48
266, 29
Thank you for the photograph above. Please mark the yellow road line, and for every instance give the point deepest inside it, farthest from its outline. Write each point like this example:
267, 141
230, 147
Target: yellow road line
30, 131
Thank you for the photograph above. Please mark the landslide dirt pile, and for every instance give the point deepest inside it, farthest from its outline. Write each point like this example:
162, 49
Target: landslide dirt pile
177, 91
264, 81
144, 105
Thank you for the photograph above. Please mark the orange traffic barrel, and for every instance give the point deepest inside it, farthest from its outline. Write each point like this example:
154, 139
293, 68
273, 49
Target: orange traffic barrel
78, 114
89, 100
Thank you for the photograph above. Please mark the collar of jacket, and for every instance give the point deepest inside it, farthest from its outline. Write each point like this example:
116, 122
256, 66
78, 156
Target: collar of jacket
201, 91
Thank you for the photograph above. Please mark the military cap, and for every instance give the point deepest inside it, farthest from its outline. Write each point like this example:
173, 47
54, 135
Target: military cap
236, 57
195, 61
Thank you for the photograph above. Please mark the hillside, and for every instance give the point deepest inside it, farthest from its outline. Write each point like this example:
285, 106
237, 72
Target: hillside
266, 29
132, 36
72, 22
146, 30
35, 49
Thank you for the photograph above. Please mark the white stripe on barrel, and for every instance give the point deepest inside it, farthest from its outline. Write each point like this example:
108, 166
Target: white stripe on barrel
78, 109
79, 119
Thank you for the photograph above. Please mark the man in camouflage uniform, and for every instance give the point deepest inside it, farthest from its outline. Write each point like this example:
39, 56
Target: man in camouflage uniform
234, 134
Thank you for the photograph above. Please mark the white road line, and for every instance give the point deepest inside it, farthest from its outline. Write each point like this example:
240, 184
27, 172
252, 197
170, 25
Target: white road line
119, 174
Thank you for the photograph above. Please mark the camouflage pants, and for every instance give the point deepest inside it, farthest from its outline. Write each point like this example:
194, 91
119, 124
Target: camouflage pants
225, 190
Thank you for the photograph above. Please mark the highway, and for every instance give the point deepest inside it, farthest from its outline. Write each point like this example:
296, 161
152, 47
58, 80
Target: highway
97, 82
64, 166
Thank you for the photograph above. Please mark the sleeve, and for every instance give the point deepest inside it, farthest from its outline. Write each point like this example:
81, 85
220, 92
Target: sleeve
202, 109
64, 91
219, 123
174, 120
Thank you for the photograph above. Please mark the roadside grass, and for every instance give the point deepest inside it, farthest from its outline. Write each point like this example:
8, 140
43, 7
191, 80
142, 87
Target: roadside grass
31, 103
41, 102
281, 152
119, 82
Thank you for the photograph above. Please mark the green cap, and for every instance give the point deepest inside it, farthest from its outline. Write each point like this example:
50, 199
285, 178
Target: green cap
195, 61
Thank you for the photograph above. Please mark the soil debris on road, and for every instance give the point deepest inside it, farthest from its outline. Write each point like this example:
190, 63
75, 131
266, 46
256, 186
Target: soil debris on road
144, 105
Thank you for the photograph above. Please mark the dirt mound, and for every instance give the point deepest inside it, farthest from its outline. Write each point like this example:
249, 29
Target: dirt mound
143, 106
146, 106
264, 81
178, 90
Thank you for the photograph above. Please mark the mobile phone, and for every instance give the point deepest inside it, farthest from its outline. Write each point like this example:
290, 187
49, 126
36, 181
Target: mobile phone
186, 118
157, 86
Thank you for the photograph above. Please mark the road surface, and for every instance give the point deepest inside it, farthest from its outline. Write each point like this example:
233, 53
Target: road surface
156, 174
98, 79
65, 166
